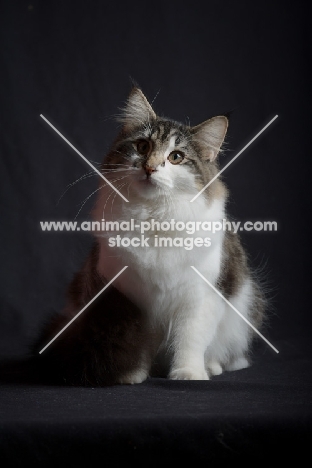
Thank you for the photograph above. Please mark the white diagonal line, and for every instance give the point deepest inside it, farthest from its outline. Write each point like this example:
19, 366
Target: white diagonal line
85, 159
85, 307
232, 160
234, 308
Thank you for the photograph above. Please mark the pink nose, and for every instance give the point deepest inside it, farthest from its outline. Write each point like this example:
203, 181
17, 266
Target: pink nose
149, 170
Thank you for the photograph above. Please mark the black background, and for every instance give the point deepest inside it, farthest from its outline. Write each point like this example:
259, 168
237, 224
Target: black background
73, 62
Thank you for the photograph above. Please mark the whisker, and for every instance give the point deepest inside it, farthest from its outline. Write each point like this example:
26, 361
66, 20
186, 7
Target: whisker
83, 177
114, 164
93, 173
128, 188
102, 186
111, 193
119, 187
86, 199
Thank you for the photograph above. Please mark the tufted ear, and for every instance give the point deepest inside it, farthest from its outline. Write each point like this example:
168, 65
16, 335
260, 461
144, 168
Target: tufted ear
137, 111
210, 136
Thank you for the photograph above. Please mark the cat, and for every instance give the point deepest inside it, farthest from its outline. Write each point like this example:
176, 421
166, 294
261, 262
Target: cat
158, 318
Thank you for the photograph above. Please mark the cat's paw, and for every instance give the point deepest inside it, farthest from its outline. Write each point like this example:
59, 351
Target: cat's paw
187, 373
237, 364
214, 368
134, 377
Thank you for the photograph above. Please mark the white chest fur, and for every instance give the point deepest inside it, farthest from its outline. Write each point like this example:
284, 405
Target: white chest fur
158, 278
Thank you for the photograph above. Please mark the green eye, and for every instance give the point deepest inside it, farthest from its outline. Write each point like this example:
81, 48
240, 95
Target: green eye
143, 147
175, 157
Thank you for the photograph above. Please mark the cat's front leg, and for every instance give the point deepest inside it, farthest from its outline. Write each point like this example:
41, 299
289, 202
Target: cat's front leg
139, 374
193, 329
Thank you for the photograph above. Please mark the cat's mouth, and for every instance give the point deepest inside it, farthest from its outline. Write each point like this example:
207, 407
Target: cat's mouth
148, 181
148, 176
151, 181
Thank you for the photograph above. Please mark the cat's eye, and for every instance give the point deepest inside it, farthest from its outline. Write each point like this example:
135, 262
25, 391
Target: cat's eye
143, 147
175, 157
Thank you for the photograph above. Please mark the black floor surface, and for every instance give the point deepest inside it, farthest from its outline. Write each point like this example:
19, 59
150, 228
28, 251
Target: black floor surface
262, 413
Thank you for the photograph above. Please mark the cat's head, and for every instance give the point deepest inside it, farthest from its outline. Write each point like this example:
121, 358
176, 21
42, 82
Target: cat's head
164, 155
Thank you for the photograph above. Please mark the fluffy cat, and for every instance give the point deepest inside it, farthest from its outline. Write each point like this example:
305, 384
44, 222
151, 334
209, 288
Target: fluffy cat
159, 317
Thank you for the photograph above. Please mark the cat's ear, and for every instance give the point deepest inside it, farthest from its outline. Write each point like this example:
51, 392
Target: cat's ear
210, 135
137, 111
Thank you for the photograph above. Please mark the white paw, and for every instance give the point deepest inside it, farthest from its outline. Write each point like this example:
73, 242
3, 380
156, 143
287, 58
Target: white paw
187, 373
237, 364
214, 368
135, 377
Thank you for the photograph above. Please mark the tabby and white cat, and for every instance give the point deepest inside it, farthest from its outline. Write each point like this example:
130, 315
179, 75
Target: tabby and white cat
159, 317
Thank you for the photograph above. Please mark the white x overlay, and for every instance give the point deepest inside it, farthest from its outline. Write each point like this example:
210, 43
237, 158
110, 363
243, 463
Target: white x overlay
193, 199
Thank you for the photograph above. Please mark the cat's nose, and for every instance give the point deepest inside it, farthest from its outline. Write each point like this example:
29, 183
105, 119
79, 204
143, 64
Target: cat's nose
149, 170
